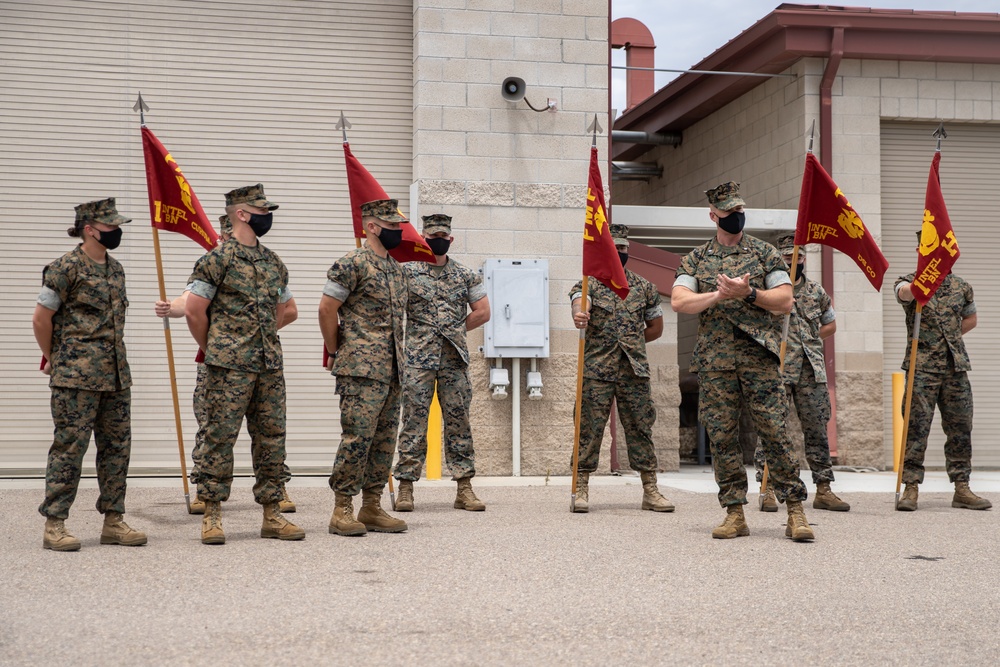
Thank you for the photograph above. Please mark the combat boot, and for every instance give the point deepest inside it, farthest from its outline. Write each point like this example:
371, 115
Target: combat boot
966, 499
768, 503
343, 522
652, 499
826, 499
57, 538
797, 527
908, 503
277, 526
285, 505
466, 498
211, 524
404, 501
582, 504
374, 517
197, 506
116, 531
734, 525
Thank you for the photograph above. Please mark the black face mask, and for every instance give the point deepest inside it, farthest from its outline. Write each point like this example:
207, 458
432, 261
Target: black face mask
623, 257
112, 239
800, 271
260, 224
390, 238
733, 223
439, 246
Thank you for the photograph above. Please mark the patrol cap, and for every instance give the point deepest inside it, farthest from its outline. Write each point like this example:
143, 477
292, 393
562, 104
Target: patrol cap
383, 209
102, 210
437, 222
725, 197
250, 194
785, 244
225, 225
619, 234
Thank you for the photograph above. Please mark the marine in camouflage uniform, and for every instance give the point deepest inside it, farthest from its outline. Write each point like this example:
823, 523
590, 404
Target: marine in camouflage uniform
79, 324
615, 367
366, 288
731, 282
237, 296
941, 378
437, 317
812, 319
175, 309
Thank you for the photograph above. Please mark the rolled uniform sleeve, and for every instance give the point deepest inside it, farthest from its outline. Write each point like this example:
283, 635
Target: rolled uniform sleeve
689, 282
654, 308
208, 274
477, 290
970, 302
286, 296
829, 315
341, 279
49, 298
776, 279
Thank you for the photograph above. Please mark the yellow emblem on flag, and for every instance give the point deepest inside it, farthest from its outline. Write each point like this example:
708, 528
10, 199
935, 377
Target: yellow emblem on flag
851, 224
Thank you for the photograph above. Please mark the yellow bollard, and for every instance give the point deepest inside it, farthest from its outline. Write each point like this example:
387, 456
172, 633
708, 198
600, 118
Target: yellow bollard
435, 429
898, 391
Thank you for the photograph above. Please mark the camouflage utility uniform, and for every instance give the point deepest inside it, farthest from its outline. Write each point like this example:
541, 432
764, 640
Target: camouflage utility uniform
941, 379
615, 367
373, 294
243, 367
436, 351
90, 380
805, 376
737, 351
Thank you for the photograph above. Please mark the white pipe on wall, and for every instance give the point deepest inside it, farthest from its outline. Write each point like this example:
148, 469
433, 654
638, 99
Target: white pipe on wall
515, 425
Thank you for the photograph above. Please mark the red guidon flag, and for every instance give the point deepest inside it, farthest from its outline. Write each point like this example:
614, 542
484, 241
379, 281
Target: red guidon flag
173, 206
938, 250
827, 218
364, 188
600, 258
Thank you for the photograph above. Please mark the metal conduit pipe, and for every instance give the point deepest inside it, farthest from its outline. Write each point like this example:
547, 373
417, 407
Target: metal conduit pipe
635, 171
647, 138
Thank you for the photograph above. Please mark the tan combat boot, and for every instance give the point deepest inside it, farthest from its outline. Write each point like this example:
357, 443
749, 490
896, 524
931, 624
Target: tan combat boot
826, 499
466, 498
197, 506
908, 503
343, 522
57, 538
116, 531
768, 503
966, 499
734, 525
285, 505
211, 524
404, 501
652, 499
277, 526
582, 502
797, 527
374, 517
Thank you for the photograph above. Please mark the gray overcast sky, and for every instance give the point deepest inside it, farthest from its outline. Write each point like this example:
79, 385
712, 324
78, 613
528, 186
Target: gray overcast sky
686, 31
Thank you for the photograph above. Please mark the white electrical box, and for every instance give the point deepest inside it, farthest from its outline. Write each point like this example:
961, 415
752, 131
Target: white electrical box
518, 290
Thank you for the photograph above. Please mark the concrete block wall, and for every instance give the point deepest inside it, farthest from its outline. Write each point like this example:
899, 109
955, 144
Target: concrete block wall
514, 180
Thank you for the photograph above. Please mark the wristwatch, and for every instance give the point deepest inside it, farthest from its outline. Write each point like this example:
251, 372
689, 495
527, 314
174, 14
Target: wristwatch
752, 296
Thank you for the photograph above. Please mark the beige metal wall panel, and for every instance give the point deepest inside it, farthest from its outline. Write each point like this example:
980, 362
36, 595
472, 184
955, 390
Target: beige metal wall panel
240, 93
970, 170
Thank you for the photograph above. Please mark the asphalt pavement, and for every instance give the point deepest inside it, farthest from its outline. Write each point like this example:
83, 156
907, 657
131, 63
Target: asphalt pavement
523, 583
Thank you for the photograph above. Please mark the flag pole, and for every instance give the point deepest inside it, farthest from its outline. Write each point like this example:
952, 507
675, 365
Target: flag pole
343, 125
908, 399
938, 134
594, 128
784, 325
142, 107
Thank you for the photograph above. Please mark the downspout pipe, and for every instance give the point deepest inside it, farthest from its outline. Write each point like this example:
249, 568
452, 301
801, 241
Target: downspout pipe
826, 159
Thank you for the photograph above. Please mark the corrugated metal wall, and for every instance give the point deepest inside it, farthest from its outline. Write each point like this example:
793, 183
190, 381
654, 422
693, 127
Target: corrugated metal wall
240, 93
970, 172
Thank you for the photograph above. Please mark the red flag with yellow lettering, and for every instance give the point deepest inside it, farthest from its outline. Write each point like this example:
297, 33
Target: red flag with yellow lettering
173, 206
827, 218
364, 188
938, 249
600, 258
